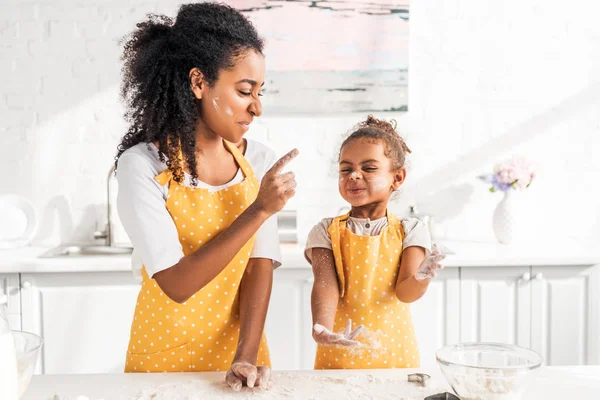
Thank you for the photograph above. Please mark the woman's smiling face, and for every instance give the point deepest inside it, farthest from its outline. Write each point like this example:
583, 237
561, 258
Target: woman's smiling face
230, 105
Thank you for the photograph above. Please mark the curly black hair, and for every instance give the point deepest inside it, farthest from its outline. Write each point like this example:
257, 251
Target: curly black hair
158, 56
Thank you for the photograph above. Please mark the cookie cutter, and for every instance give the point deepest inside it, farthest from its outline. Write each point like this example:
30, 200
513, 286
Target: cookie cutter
419, 378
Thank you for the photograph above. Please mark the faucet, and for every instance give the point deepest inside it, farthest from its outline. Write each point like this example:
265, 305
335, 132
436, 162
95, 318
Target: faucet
106, 234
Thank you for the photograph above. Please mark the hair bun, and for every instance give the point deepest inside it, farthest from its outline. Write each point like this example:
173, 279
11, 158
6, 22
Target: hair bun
384, 126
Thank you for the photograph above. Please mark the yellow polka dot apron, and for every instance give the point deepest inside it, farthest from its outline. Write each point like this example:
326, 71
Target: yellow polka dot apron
201, 334
367, 268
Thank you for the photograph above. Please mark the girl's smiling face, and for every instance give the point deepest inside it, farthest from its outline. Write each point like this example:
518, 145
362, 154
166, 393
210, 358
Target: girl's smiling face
365, 173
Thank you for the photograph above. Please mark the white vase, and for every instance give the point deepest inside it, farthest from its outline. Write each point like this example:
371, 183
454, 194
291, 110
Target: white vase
507, 218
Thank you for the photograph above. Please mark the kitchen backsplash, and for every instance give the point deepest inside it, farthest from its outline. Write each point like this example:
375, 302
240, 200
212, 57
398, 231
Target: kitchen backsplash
474, 100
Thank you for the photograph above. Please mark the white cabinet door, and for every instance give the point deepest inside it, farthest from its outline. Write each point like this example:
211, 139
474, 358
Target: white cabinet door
288, 324
9, 285
84, 318
496, 305
436, 315
562, 306
594, 311
308, 347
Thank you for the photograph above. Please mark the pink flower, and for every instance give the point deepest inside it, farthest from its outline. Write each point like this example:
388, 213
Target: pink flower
516, 173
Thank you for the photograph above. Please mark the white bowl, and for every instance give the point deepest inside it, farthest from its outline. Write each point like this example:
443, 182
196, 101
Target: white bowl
488, 371
19, 221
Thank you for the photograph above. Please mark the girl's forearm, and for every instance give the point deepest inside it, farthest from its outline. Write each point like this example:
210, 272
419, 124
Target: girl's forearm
324, 302
410, 289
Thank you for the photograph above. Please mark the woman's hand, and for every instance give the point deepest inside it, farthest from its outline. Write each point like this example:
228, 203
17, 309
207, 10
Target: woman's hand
275, 188
242, 372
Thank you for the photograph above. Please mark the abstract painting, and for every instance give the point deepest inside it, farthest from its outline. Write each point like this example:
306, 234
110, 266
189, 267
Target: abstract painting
332, 56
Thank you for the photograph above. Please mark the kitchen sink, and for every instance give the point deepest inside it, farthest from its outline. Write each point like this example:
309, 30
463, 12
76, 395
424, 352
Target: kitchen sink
85, 251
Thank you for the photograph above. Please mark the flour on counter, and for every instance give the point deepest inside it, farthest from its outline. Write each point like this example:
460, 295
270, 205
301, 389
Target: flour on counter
298, 386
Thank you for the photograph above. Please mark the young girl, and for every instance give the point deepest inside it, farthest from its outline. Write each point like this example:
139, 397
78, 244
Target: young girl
190, 198
368, 263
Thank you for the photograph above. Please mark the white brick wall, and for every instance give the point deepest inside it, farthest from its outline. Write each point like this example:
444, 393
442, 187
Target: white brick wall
488, 79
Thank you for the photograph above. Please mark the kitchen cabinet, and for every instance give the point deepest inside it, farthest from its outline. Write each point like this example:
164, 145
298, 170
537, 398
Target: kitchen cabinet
564, 310
84, 319
553, 310
436, 315
495, 305
289, 321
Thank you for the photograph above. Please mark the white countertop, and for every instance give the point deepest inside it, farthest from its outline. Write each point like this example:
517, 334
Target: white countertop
466, 254
551, 383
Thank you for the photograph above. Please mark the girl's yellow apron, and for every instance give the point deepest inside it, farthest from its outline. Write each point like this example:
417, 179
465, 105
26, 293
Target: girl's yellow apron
201, 334
367, 269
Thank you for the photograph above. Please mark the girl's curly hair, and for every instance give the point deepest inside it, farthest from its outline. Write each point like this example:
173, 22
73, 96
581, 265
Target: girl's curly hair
158, 56
376, 130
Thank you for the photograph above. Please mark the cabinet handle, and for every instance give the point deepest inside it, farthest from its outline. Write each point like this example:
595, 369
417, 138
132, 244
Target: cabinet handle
26, 285
539, 276
526, 277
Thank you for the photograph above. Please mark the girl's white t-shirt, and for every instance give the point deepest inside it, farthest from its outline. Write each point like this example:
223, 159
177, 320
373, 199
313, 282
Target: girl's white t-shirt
415, 231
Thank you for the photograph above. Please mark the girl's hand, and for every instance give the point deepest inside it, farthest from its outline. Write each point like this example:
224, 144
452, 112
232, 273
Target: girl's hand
276, 189
243, 372
325, 337
430, 265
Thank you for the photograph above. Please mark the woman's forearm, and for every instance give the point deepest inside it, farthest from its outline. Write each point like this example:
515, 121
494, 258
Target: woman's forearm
196, 270
255, 293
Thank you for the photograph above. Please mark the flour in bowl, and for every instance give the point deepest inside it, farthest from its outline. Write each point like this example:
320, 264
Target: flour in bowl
487, 384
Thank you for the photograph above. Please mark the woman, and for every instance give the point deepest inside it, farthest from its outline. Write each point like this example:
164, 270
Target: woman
202, 227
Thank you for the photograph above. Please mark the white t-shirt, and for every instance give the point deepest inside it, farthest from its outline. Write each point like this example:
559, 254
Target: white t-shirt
415, 233
141, 203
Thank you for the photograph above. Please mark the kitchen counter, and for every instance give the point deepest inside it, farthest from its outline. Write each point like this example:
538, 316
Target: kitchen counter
580, 382
466, 254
